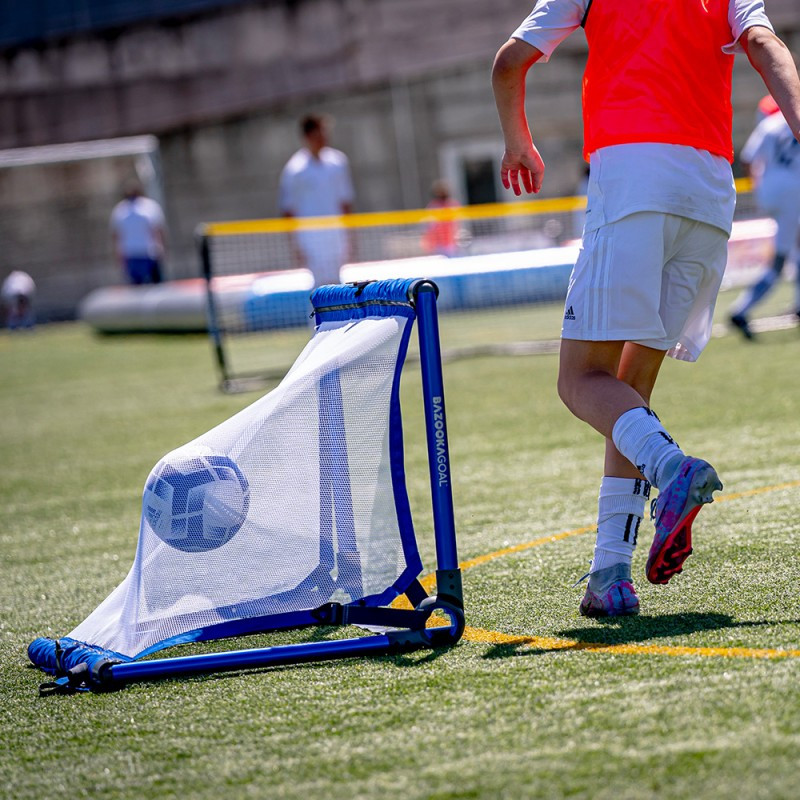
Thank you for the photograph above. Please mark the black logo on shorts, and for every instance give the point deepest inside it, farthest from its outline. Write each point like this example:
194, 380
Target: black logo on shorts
570, 314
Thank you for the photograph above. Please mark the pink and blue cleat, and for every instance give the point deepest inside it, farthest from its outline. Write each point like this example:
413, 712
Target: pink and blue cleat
674, 511
610, 593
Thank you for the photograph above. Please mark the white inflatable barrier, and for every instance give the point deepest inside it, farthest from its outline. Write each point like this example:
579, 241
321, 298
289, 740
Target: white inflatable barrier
269, 300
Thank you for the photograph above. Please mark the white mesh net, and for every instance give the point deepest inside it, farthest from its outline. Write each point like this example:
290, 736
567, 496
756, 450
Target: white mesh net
287, 505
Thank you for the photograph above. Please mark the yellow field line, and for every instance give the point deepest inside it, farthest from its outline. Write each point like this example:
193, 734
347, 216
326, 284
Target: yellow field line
411, 217
518, 548
550, 643
762, 490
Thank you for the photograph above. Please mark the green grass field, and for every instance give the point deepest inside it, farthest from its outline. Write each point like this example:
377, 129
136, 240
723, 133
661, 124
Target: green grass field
698, 697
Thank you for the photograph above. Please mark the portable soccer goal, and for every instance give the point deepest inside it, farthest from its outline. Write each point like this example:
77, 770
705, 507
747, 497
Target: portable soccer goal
293, 512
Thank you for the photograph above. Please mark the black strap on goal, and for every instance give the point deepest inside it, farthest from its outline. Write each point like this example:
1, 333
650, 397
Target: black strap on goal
338, 614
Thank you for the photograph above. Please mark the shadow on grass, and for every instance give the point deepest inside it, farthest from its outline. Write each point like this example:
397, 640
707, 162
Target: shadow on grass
628, 630
414, 658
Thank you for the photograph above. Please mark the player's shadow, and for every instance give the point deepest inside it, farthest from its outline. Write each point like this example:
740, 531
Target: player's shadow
626, 630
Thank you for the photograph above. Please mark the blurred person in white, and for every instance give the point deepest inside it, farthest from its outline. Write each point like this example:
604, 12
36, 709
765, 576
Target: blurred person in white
17, 292
773, 156
659, 213
316, 182
138, 235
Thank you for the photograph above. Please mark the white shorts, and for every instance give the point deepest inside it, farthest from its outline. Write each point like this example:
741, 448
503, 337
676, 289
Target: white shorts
325, 252
780, 198
649, 278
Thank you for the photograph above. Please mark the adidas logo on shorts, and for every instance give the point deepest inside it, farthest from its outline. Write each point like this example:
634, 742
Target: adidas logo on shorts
569, 314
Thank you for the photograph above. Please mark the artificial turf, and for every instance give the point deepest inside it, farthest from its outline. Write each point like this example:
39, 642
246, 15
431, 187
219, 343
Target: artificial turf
536, 701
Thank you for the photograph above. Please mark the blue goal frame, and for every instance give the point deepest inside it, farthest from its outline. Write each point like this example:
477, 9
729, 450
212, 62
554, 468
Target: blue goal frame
80, 666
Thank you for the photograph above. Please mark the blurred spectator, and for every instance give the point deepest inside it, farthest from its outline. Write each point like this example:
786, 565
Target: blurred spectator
316, 182
441, 235
138, 235
17, 293
773, 156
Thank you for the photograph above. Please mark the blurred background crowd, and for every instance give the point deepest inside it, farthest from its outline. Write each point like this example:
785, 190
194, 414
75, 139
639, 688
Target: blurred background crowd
199, 100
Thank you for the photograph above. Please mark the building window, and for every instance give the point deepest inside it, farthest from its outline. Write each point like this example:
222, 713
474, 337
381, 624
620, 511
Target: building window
473, 171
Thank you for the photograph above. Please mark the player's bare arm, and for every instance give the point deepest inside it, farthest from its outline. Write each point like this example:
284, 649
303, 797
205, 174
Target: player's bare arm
521, 160
773, 61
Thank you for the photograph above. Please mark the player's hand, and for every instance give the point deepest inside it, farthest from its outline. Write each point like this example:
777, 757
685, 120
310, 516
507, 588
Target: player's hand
525, 167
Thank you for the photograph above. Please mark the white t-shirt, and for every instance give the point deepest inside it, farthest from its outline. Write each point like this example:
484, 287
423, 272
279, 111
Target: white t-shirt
315, 187
774, 156
18, 283
626, 178
772, 147
136, 223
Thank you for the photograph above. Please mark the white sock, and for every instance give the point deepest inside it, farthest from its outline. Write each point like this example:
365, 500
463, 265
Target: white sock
642, 439
620, 511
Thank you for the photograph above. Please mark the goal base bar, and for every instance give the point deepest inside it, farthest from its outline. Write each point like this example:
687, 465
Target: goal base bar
107, 674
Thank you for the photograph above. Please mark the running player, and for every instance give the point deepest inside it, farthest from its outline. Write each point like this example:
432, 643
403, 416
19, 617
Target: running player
660, 206
773, 154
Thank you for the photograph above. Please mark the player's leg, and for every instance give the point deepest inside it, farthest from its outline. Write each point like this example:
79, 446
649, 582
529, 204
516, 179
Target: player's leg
757, 292
613, 295
601, 383
155, 271
624, 493
138, 270
786, 214
608, 384
691, 278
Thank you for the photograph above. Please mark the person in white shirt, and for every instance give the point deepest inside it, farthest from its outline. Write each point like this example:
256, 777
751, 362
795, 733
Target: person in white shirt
659, 211
316, 182
138, 235
773, 156
17, 293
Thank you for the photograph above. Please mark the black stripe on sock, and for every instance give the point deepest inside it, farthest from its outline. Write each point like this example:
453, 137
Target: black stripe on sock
628, 525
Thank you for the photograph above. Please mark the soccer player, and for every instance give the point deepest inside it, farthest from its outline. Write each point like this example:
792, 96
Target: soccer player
138, 235
657, 135
773, 155
316, 182
17, 293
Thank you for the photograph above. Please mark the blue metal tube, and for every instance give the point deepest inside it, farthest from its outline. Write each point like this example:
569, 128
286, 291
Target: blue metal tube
436, 427
249, 659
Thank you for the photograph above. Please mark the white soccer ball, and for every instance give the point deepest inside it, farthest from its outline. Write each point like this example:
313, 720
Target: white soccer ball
196, 500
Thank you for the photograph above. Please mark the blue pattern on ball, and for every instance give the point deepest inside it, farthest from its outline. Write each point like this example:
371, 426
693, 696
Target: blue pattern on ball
196, 502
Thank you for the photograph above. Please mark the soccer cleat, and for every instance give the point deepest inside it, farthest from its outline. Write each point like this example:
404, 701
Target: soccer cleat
740, 321
674, 511
610, 593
